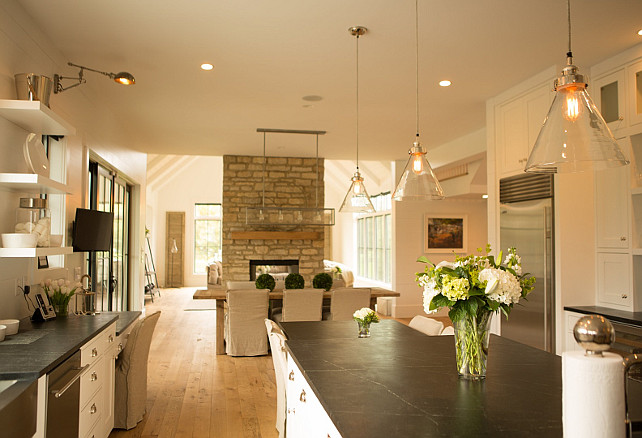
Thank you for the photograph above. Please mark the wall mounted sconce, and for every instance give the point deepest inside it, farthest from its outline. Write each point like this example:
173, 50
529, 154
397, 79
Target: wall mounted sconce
124, 78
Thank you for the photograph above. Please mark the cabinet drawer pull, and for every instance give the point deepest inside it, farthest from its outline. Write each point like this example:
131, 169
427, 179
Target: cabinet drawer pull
94, 352
111, 338
302, 396
93, 409
291, 376
94, 376
623, 239
624, 296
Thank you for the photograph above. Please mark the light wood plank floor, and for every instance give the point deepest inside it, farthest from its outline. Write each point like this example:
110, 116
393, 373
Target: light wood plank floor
192, 392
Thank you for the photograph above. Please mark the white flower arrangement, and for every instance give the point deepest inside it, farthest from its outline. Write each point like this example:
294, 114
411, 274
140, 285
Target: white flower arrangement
365, 315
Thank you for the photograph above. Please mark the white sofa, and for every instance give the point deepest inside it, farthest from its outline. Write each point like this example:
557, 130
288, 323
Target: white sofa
343, 279
214, 275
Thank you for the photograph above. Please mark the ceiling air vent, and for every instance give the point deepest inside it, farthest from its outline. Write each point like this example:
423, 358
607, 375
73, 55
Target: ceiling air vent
526, 187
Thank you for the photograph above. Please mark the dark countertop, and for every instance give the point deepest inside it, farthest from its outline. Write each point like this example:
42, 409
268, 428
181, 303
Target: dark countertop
39, 347
125, 319
400, 382
632, 318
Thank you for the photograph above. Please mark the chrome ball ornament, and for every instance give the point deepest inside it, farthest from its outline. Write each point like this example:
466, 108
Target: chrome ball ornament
594, 333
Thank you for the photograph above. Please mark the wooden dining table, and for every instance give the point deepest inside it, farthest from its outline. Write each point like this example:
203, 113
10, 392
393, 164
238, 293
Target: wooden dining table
220, 295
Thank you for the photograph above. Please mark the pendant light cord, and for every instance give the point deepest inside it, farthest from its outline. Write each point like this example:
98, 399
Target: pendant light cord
357, 102
417, 61
569, 54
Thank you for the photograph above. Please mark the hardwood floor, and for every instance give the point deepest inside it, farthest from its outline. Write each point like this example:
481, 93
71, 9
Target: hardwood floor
194, 393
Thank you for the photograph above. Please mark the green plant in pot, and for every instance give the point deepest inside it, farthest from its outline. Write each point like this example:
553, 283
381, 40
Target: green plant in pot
59, 293
265, 281
294, 281
322, 281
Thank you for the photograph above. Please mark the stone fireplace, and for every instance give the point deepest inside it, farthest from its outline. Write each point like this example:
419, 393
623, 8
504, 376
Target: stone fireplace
279, 269
289, 182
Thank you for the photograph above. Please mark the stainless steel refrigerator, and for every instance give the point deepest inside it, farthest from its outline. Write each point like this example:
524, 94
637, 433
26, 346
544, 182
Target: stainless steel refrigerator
526, 223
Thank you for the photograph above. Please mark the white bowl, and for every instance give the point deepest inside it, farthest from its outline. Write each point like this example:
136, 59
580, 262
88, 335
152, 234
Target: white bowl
11, 326
55, 240
3, 330
19, 240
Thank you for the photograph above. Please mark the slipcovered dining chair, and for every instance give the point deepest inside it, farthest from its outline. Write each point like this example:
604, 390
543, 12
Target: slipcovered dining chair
301, 305
428, 326
244, 327
279, 359
131, 374
234, 285
346, 300
448, 331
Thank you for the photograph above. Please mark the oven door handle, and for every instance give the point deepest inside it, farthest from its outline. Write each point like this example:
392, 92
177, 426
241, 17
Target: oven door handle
79, 371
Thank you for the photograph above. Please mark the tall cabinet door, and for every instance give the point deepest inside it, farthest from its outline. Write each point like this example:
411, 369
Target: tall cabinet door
613, 280
612, 208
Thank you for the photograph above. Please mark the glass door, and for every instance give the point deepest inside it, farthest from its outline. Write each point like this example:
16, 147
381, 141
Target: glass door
109, 270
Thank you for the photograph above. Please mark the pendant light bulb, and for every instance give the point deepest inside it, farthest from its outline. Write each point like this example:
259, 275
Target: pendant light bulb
418, 181
357, 199
574, 136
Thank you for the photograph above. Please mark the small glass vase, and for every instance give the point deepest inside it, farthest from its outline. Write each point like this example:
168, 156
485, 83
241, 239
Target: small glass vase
364, 329
61, 309
471, 345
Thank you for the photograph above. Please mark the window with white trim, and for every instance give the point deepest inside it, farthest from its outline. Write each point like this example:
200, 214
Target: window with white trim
374, 240
207, 235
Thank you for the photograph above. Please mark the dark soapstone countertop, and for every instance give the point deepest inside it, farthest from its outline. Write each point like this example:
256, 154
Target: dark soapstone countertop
632, 318
39, 347
400, 382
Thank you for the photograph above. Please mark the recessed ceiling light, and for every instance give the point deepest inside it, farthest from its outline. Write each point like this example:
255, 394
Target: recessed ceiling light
484, 196
640, 32
207, 66
445, 83
312, 98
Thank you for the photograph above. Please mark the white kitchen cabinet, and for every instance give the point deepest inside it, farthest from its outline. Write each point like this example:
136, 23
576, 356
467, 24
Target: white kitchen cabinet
609, 94
306, 417
97, 385
517, 125
634, 73
570, 344
614, 280
612, 208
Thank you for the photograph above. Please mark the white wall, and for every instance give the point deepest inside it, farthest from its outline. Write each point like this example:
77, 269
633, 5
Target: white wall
25, 49
196, 180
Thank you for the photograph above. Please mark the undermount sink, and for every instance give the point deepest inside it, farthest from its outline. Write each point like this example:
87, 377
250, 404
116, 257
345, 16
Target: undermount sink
18, 404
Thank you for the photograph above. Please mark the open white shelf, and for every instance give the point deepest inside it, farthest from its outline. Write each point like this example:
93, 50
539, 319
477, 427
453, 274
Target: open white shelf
31, 183
33, 116
35, 252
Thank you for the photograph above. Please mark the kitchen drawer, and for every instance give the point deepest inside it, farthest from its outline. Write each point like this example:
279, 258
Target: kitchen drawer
91, 381
90, 415
91, 351
121, 339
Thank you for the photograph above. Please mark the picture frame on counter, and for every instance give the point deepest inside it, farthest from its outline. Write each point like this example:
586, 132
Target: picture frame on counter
445, 233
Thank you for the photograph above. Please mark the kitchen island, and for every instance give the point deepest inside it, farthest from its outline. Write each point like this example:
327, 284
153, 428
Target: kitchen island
400, 382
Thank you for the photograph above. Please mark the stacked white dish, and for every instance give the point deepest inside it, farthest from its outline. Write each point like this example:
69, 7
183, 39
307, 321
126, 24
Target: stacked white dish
11, 326
19, 240
3, 330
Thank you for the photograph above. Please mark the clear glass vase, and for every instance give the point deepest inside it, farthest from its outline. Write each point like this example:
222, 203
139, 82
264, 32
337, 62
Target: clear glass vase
364, 329
61, 309
471, 345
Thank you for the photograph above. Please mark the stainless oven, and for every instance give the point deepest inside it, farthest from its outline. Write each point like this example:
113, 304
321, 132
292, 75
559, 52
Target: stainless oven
63, 398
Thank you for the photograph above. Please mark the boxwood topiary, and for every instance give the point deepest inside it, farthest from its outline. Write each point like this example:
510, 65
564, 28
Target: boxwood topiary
265, 281
322, 281
294, 281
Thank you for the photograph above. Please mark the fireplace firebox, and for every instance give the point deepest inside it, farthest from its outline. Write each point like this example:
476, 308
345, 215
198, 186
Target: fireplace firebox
279, 269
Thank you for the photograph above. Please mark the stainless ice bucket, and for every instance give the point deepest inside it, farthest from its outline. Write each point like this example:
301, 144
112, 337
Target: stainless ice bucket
30, 86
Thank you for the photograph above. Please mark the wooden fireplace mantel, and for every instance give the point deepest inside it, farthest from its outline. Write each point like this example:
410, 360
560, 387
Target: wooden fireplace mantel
277, 235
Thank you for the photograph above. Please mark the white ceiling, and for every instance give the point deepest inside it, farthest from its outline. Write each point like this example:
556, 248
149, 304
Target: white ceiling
268, 54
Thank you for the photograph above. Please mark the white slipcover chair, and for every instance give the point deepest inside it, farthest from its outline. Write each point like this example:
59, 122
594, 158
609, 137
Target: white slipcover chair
302, 305
428, 326
244, 328
279, 359
131, 374
346, 300
448, 331
234, 285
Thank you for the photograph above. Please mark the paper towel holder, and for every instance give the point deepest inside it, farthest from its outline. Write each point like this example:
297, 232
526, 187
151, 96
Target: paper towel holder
596, 334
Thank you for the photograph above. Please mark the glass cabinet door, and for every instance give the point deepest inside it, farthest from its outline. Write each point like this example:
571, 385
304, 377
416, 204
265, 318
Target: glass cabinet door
608, 93
635, 85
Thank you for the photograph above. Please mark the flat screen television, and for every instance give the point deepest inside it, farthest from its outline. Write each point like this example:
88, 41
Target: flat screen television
92, 230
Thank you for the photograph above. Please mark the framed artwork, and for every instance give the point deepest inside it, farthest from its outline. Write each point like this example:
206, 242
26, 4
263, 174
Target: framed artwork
43, 263
444, 234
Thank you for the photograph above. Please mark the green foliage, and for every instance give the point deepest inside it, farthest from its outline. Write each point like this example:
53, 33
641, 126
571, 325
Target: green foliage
294, 281
265, 281
322, 281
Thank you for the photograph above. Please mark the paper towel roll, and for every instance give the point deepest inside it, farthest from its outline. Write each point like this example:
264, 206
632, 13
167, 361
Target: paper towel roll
593, 395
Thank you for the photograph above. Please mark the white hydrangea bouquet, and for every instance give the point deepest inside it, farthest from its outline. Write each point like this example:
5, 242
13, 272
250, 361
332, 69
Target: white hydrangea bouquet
364, 317
474, 287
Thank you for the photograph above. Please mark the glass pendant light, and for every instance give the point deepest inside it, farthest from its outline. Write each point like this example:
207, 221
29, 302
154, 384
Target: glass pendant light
418, 181
574, 136
357, 199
